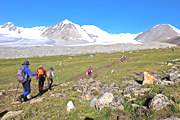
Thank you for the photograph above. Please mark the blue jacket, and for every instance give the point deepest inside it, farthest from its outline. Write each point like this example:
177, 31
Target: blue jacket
28, 72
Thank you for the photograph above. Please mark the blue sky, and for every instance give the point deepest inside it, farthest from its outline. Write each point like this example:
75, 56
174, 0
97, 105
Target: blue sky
113, 16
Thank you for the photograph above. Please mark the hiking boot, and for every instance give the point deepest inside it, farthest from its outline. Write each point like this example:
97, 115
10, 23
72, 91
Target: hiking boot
20, 98
25, 98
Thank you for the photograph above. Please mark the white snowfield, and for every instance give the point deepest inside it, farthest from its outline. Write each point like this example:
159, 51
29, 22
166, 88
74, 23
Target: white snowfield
32, 36
23, 37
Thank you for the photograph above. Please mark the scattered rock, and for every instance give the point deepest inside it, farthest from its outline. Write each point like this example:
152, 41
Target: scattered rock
169, 64
148, 79
87, 96
70, 106
117, 103
12, 114
58, 95
93, 102
1, 93
159, 102
15, 103
36, 100
112, 71
125, 83
171, 118
173, 76
104, 101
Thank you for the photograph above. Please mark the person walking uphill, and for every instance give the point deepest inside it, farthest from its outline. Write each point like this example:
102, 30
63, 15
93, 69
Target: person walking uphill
50, 78
89, 72
41, 75
25, 79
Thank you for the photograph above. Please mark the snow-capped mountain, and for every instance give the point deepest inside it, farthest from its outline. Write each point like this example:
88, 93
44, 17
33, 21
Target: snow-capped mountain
101, 36
72, 32
161, 32
67, 30
11, 35
68, 33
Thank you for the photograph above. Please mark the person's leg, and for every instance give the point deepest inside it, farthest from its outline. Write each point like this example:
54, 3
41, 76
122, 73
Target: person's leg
50, 86
26, 92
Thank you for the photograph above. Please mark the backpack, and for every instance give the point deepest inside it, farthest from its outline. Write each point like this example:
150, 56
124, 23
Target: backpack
48, 74
89, 71
40, 73
21, 75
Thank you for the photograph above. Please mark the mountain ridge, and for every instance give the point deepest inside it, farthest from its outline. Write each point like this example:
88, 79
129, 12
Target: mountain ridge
67, 32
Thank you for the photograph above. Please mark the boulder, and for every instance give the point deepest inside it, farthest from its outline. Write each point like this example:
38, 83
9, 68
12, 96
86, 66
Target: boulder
87, 96
36, 100
173, 76
93, 102
104, 101
80, 89
70, 106
148, 79
171, 118
117, 103
12, 114
1, 93
159, 101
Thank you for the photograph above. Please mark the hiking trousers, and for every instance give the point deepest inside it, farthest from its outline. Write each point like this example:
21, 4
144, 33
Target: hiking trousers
50, 82
41, 83
27, 87
89, 75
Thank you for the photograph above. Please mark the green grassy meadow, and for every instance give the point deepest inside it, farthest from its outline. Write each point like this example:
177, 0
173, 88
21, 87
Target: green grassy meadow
71, 70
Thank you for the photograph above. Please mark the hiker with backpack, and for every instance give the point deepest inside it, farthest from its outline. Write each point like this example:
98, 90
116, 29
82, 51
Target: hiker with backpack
23, 77
89, 72
50, 75
41, 76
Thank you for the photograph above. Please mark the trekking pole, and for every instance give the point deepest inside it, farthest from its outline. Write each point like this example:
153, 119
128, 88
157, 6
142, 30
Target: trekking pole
16, 91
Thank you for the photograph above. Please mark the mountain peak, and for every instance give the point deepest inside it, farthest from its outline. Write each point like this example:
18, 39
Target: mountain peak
66, 22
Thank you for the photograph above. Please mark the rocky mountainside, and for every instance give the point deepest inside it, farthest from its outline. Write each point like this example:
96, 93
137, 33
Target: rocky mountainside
68, 31
162, 33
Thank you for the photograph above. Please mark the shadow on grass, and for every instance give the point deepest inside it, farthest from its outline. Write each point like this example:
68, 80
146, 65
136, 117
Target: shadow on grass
40, 94
88, 118
139, 81
3, 113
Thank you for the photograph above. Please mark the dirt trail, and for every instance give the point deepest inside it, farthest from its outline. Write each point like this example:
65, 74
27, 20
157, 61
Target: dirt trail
95, 71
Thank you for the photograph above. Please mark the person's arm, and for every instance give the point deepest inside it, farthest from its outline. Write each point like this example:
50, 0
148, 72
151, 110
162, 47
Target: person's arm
52, 73
29, 72
45, 73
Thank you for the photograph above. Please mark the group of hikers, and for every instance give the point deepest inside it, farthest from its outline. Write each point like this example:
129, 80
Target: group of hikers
23, 77
24, 74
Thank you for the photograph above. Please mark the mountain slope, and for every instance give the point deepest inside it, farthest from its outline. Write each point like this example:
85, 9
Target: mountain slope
68, 31
162, 33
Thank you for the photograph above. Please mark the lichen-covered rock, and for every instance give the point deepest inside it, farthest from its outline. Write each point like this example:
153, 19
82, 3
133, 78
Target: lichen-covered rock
117, 103
80, 88
159, 102
148, 79
173, 76
12, 114
171, 118
87, 96
104, 101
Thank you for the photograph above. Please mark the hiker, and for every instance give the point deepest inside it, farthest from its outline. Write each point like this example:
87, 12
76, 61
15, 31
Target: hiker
89, 72
50, 77
41, 76
26, 83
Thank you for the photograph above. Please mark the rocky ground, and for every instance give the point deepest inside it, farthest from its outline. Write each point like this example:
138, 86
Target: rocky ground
23, 52
91, 89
